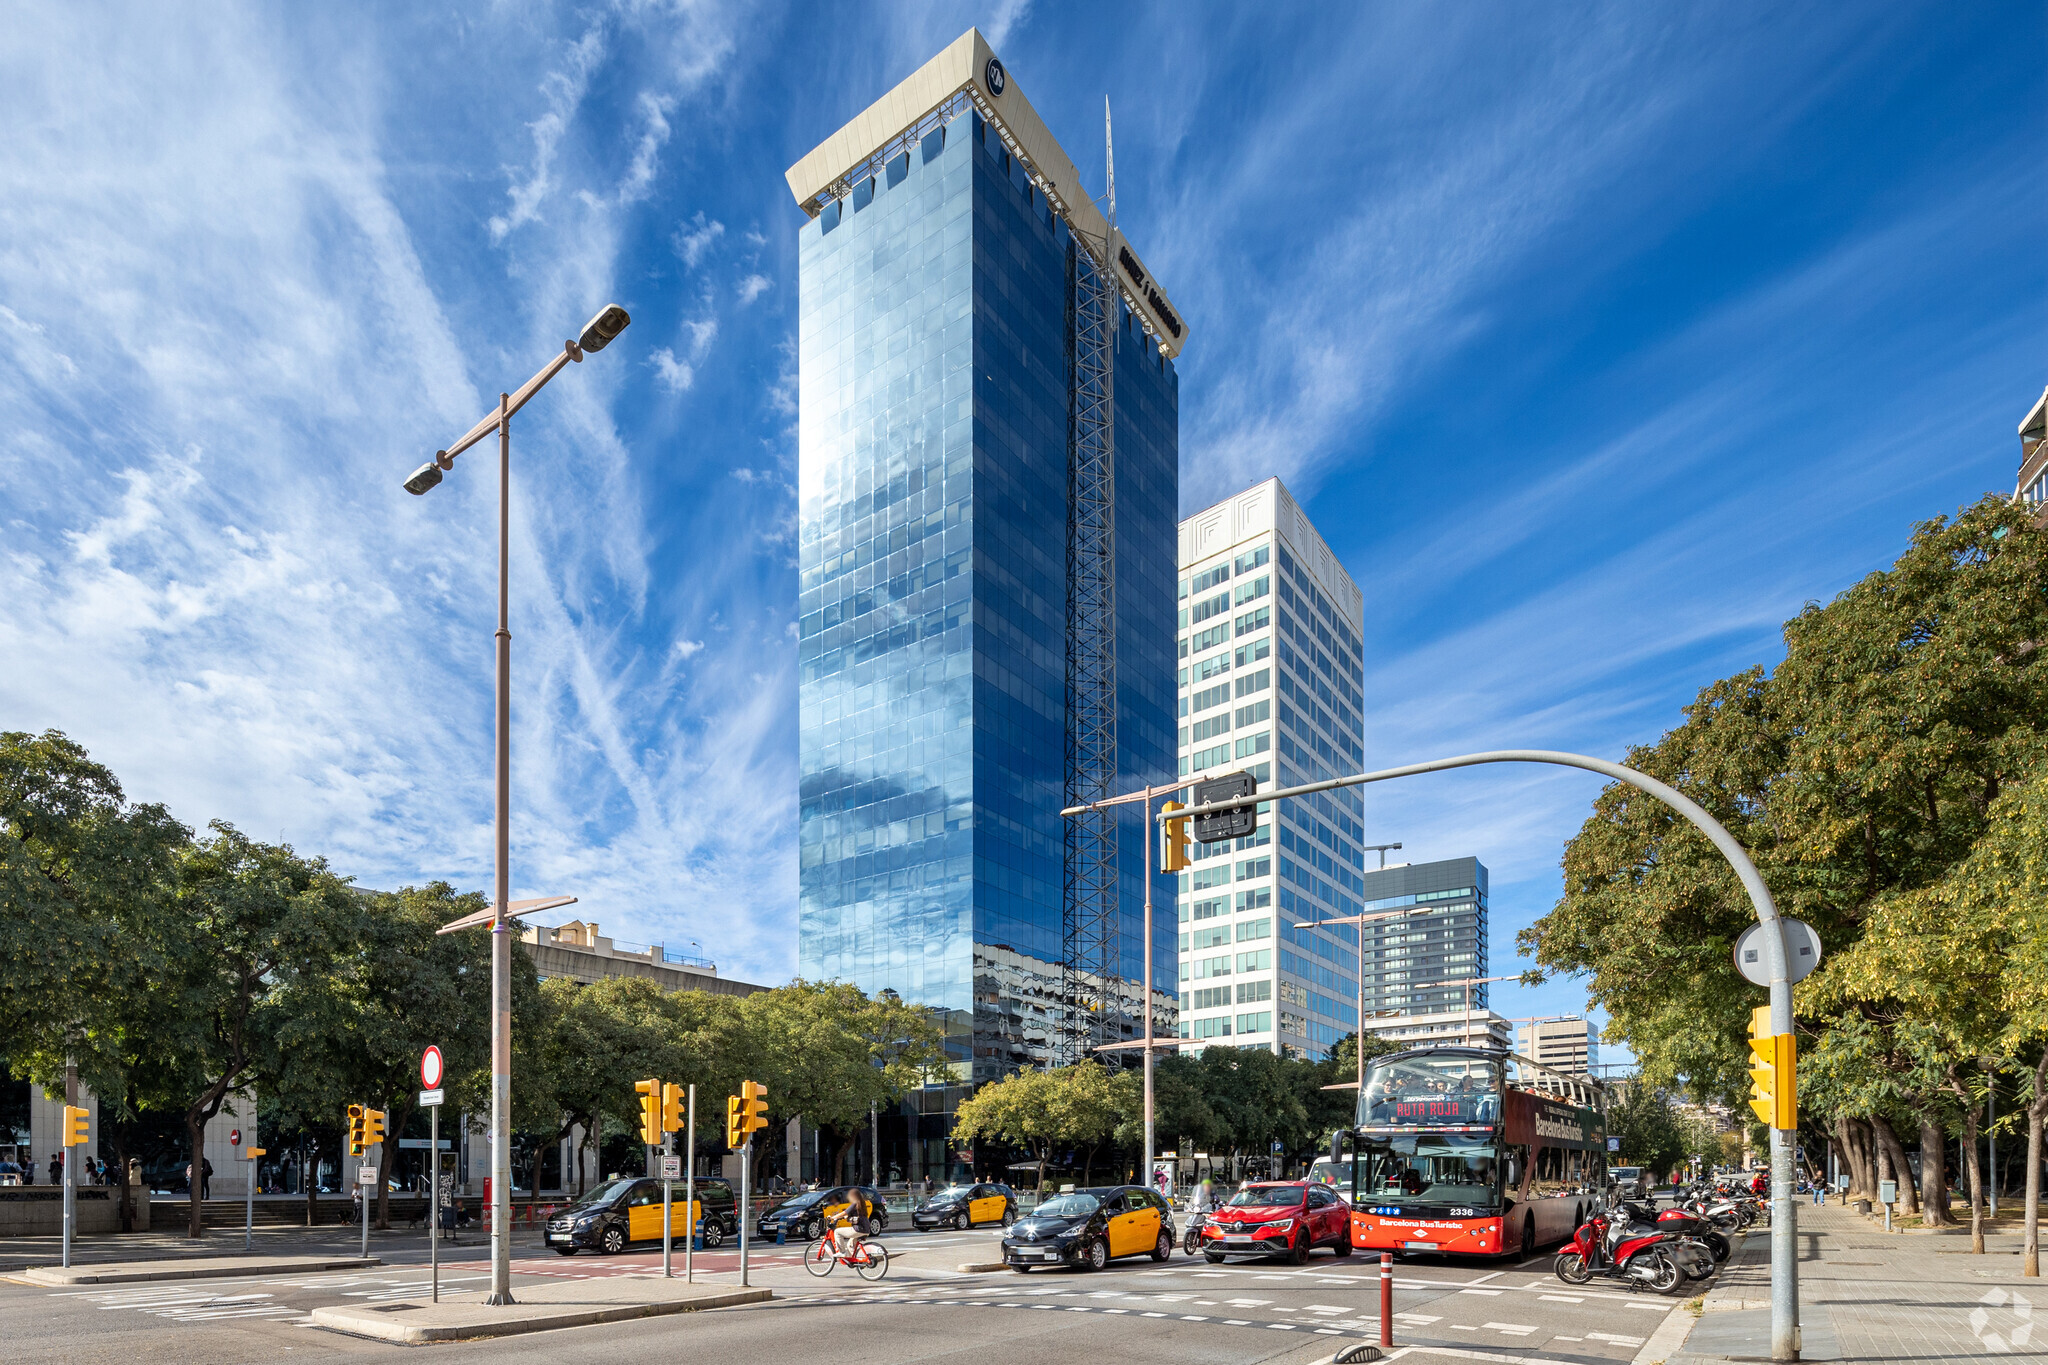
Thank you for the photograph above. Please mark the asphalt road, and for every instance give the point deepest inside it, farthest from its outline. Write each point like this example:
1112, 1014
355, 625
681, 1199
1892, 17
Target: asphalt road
1184, 1310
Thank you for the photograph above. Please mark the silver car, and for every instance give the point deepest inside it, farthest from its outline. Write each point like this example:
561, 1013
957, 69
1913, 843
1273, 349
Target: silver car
1629, 1182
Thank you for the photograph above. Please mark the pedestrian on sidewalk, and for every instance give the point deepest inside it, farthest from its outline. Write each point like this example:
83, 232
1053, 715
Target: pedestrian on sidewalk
28, 1170
56, 1168
205, 1178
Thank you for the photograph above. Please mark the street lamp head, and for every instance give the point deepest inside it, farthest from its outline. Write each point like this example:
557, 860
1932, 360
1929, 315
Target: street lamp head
423, 478
599, 331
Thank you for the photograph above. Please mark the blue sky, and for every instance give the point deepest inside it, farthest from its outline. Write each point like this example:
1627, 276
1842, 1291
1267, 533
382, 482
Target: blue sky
1595, 339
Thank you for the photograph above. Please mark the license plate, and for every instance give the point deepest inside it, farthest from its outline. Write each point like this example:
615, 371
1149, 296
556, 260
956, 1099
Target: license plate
1237, 1241
1420, 1246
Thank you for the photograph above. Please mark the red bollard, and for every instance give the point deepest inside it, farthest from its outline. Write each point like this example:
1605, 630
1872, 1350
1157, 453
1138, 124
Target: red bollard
1386, 1298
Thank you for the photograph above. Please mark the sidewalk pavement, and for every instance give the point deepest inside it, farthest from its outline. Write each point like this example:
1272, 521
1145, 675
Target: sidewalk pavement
22, 1253
191, 1268
1866, 1296
540, 1308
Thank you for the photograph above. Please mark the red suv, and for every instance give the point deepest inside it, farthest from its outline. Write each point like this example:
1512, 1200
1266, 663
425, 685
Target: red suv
1279, 1218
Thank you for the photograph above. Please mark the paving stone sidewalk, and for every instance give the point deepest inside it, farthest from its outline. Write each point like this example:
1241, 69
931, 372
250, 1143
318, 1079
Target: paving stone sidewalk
1869, 1296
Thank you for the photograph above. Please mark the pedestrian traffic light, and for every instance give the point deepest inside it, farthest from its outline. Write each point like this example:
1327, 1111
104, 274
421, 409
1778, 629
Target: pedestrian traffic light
1173, 839
76, 1123
735, 1135
355, 1130
650, 1111
671, 1108
1774, 1071
753, 1106
373, 1127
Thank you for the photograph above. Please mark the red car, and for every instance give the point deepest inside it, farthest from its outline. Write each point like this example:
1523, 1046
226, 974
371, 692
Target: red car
1279, 1218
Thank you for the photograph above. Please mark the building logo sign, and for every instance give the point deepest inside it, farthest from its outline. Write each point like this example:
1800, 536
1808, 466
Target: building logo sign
1165, 315
994, 76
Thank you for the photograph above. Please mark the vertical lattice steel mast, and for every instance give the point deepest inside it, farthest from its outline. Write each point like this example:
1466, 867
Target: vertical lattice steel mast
1090, 903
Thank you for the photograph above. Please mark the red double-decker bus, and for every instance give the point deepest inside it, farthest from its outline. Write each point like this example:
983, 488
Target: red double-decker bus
1468, 1151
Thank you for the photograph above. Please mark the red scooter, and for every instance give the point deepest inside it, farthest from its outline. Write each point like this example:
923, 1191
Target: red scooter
1621, 1245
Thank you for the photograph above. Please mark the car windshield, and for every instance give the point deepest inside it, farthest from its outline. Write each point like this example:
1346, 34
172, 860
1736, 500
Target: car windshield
805, 1200
1070, 1206
1431, 1169
603, 1194
1625, 1172
954, 1192
1267, 1196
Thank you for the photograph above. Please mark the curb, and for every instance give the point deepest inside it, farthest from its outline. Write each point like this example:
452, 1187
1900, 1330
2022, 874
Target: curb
364, 1322
172, 1270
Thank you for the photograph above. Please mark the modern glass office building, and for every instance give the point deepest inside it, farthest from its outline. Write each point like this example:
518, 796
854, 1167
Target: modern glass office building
1271, 682
951, 397
1414, 961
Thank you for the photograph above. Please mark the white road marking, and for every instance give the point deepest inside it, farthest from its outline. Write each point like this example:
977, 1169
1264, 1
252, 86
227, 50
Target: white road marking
1482, 1291
1519, 1329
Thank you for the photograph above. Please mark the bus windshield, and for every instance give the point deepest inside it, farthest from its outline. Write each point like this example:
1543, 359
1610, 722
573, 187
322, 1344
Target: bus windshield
1438, 1170
1430, 1091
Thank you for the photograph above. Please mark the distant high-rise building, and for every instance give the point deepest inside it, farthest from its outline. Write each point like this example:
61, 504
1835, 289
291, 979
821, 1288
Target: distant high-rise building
1567, 1044
1272, 683
989, 444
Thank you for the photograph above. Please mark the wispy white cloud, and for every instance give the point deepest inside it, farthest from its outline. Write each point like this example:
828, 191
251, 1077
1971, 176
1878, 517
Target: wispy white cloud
696, 237
562, 89
677, 374
753, 287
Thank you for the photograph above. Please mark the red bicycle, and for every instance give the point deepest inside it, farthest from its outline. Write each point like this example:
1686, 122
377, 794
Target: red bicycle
870, 1260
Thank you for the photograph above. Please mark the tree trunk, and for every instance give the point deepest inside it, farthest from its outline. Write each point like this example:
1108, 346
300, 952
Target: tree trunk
2037, 1114
1855, 1145
1933, 1173
1895, 1153
195, 1130
1975, 1172
1866, 1149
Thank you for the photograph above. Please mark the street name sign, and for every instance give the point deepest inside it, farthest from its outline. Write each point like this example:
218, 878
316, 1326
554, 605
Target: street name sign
367, 1175
671, 1168
429, 1098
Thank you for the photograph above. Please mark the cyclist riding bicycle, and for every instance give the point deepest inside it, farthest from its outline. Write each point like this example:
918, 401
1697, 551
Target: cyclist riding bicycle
846, 1226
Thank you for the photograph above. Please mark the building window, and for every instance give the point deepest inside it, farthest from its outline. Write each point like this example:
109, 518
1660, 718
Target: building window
1252, 559
1209, 578
1208, 998
1255, 651
1255, 682
1208, 729
1255, 898
1210, 696
1262, 1022
1251, 992
1260, 743
1209, 758
1253, 714
1260, 961
1254, 867
1252, 591
1254, 620
1210, 909
1254, 928
1218, 1027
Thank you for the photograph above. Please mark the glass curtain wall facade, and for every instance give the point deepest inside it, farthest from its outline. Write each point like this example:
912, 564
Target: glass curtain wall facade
936, 373
1443, 939
1271, 682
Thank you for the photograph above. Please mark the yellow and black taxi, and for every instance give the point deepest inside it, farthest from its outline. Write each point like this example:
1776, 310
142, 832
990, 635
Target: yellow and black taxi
807, 1215
966, 1206
1090, 1228
620, 1212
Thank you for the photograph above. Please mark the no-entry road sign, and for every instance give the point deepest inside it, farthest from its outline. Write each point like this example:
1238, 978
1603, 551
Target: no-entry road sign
430, 1068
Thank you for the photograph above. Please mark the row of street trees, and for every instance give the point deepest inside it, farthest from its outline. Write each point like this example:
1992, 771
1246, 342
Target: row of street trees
176, 970
1890, 778
1226, 1101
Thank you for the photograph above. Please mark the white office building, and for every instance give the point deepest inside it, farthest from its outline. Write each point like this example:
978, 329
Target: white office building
1272, 683
1571, 1045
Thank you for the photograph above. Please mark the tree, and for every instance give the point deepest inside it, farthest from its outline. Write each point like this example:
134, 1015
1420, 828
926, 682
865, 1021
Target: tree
1652, 1134
1043, 1111
265, 928
1860, 774
828, 1052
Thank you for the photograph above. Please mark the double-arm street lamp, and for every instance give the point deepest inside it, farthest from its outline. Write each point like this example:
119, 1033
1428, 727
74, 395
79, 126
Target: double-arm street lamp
596, 335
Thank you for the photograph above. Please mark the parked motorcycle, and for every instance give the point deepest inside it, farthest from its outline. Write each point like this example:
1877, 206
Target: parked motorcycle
1624, 1244
1693, 1225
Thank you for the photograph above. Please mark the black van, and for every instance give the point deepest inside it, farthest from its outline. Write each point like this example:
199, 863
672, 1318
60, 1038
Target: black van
620, 1212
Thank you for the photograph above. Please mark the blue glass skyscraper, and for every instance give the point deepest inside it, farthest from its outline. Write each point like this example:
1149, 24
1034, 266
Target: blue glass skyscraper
945, 368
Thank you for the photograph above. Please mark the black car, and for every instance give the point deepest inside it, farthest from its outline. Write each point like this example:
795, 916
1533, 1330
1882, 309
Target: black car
622, 1211
805, 1216
1089, 1228
966, 1206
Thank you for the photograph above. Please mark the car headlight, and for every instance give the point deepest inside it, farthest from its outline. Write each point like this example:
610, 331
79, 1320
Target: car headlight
1278, 1225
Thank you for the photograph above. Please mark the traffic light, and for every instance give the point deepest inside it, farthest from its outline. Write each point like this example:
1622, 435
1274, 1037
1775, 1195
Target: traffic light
671, 1108
735, 1135
76, 1123
650, 1111
753, 1106
1173, 839
373, 1127
355, 1130
1774, 1072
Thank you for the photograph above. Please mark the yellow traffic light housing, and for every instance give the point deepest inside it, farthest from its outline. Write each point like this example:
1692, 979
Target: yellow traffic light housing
650, 1111
1173, 838
671, 1108
77, 1123
753, 1106
355, 1130
1773, 1072
735, 1135
373, 1127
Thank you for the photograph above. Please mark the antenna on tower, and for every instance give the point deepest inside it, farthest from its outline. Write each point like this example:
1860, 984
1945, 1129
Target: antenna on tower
1109, 155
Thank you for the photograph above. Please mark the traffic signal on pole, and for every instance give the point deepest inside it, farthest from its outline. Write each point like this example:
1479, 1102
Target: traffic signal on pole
76, 1123
753, 1106
1773, 1071
671, 1108
355, 1130
1173, 839
650, 1111
735, 1135
373, 1127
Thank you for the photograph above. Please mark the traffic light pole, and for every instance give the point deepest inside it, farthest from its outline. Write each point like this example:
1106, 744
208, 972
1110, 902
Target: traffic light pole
746, 1202
668, 1206
1785, 1343
71, 1157
690, 1191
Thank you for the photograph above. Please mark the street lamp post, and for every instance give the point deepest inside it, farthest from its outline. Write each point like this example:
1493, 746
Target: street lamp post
596, 335
1361, 921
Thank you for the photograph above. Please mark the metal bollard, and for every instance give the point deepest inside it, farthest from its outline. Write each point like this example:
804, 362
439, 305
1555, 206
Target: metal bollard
1386, 1298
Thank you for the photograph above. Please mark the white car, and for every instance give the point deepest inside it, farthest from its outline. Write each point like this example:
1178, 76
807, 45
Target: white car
1629, 1182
